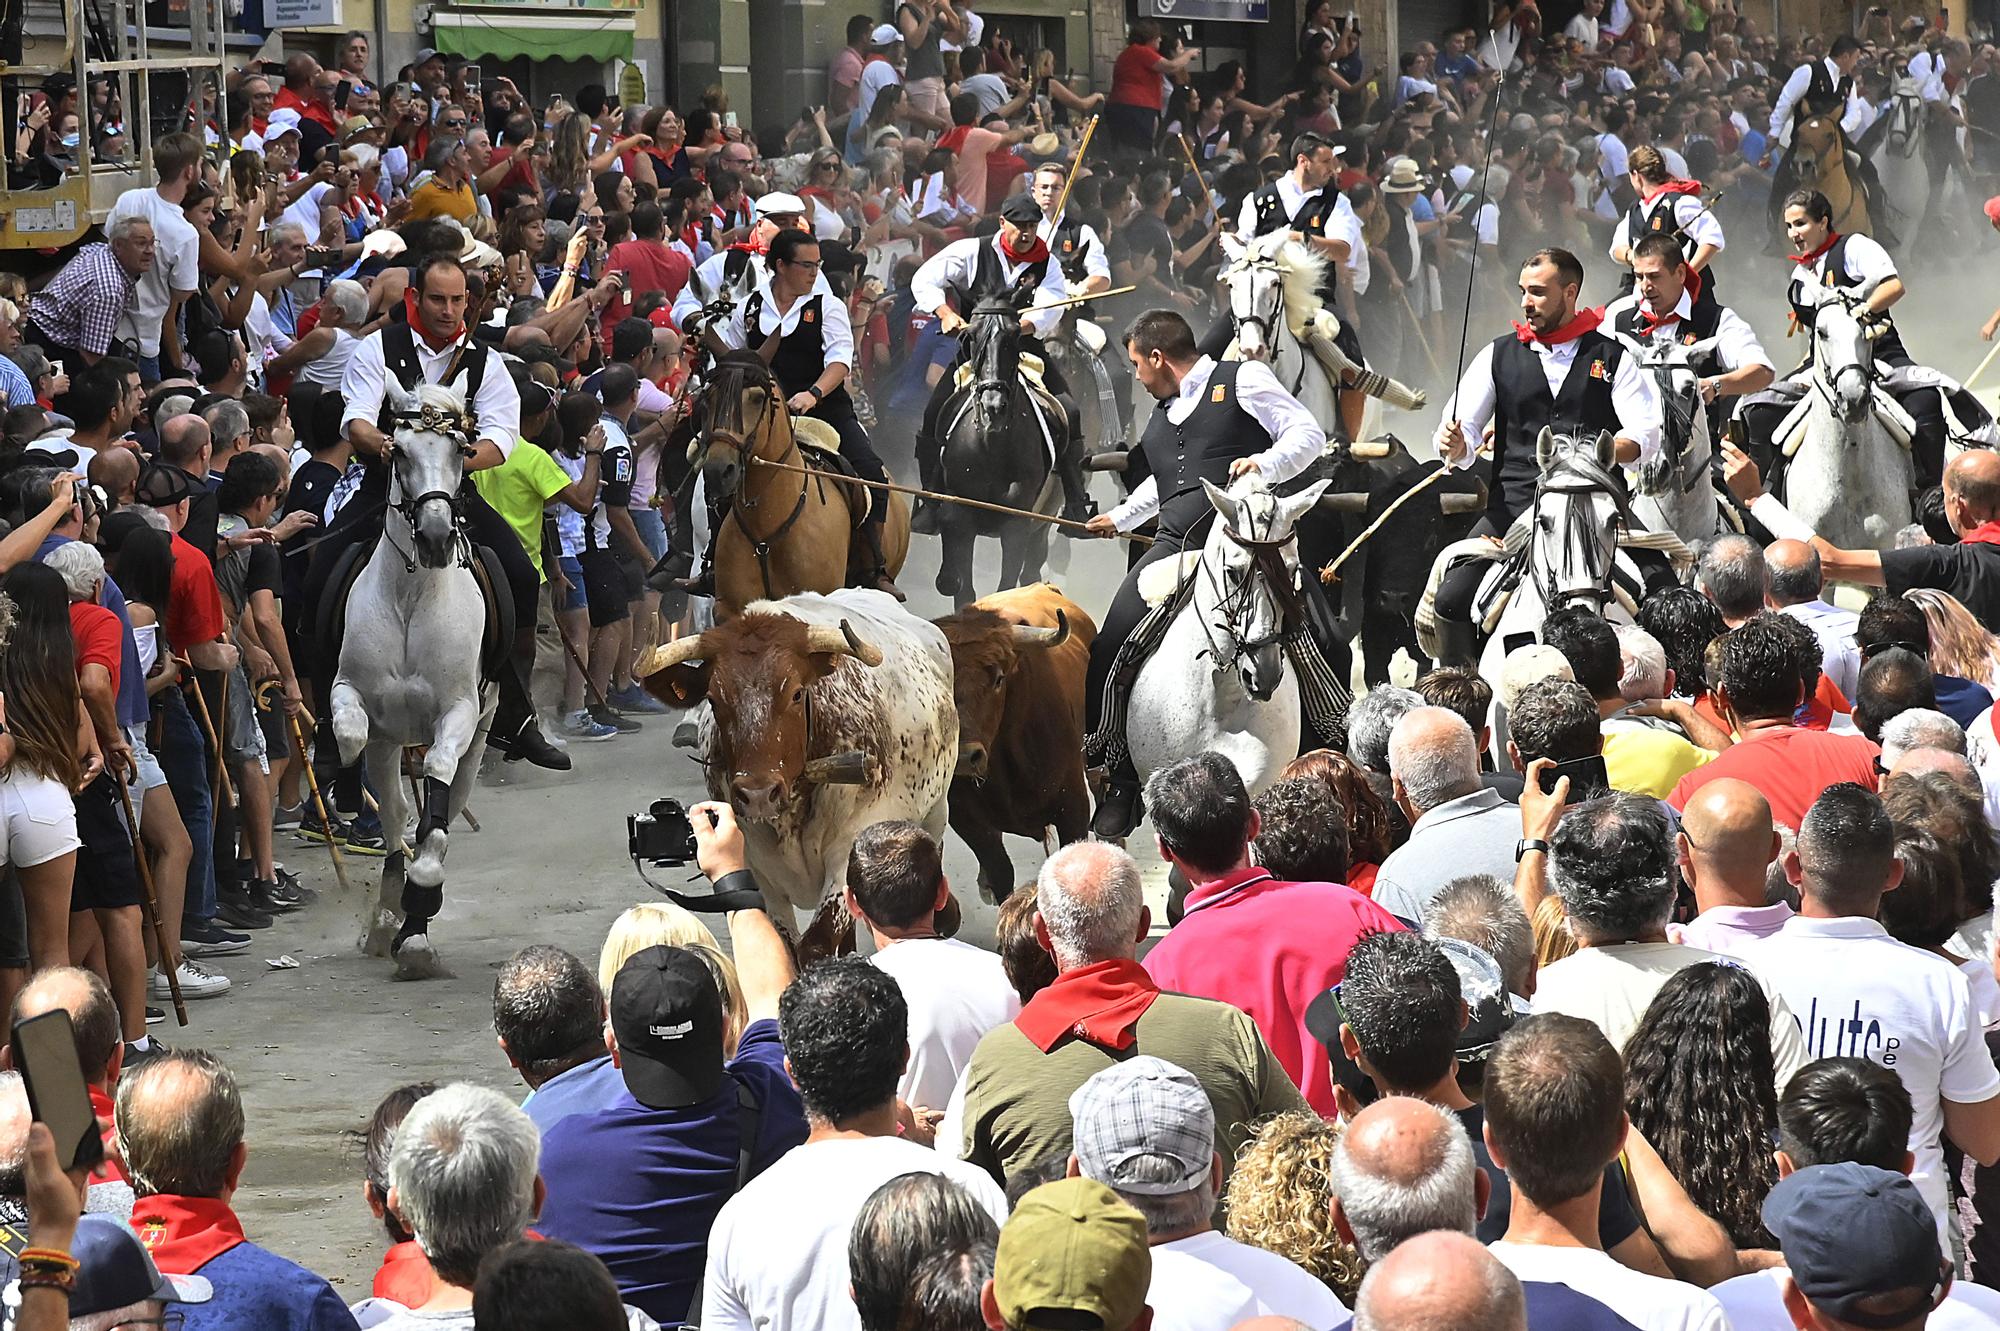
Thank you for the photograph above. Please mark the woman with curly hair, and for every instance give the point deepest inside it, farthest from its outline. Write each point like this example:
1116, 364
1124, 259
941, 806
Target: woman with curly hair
1277, 1199
1369, 838
1700, 1085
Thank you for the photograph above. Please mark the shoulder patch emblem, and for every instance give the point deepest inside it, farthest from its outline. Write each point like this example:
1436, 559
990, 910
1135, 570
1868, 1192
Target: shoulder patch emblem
1220, 393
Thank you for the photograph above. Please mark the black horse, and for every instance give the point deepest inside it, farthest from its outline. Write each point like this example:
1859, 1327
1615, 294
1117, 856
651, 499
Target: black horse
1000, 447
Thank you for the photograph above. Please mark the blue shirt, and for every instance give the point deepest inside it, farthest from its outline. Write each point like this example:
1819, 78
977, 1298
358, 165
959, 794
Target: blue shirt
584, 1089
20, 393
1558, 1308
1960, 699
641, 1187
133, 709
254, 1287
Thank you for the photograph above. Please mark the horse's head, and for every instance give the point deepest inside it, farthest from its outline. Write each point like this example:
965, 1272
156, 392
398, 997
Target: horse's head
1576, 515
1255, 276
1252, 580
995, 356
429, 442
1675, 370
1816, 139
739, 403
1843, 350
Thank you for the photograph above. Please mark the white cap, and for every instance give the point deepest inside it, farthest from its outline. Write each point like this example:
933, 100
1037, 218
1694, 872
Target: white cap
778, 202
284, 120
885, 34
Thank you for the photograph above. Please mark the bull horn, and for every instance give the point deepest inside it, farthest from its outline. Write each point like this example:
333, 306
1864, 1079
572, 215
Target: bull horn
1031, 635
690, 648
842, 641
1371, 448
1461, 503
1353, 501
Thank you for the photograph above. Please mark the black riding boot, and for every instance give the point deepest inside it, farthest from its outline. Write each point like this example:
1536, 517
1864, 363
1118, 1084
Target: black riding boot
1077, 505
1121, 806
878, 578
930, 475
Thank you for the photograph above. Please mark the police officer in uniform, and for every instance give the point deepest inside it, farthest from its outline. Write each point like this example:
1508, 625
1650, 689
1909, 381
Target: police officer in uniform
1669, 207
1824, 87
1014, 263
1559, 370
1214, 421
811, 360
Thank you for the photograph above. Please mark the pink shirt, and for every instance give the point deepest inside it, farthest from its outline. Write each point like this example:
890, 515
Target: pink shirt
1270, 948
1727, 928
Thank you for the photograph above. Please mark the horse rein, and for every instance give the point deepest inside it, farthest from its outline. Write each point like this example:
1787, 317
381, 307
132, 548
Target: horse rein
744, 444
1267, 559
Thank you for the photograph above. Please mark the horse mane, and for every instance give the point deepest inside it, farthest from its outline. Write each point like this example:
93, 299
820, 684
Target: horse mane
442, 397
1304, 271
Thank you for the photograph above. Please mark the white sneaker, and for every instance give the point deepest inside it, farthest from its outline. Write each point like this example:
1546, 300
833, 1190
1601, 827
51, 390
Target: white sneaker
197, 981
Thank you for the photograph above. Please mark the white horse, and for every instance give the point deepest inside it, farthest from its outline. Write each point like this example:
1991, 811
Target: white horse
1851, 472
1676, 491
1218, 678
410, 664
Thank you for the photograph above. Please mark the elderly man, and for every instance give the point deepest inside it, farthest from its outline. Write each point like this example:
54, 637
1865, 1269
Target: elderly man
75, 317
1090, 915
1441, 1280
180, 1130
1732, 574
1795, 581
1724, 846
94, 1024
1919, 728
548, 1015
448, 193
1265, 946
321, 356
1457, 826
1611, 862
1145, 1129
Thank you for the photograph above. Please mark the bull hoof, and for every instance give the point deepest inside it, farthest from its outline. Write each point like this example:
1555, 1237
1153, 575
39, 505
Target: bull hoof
416, 959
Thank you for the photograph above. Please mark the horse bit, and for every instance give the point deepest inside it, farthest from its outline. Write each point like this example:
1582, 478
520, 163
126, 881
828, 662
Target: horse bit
457, 426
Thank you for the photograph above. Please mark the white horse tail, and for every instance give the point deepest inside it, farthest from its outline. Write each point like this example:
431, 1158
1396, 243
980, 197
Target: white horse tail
1319, 338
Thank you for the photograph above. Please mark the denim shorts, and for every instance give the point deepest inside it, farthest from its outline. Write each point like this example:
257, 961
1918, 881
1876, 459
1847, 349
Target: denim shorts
652, 529
576, 598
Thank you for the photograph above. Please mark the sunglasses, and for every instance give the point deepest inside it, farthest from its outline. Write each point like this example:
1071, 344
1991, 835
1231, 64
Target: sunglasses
1874, 649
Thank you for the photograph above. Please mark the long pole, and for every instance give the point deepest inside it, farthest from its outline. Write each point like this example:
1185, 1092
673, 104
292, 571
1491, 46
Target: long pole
1472, 270
1983, 364
1069, 180
1195, 167
981, 504
226, 789
150, 905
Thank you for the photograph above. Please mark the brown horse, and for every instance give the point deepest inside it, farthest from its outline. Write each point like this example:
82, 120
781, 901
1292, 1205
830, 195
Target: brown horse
784, 532
1820, 160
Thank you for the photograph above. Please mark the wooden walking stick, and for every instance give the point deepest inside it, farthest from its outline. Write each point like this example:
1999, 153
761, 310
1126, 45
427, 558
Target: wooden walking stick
319, 802
149, 904
222, 787
1195, 167
1069, 180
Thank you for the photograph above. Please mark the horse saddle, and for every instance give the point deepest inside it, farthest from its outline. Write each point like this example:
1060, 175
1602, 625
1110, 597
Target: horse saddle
496, 638
1165, 579
819, 445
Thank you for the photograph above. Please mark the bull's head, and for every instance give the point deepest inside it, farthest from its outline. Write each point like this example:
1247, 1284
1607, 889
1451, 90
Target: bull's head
757, 674
983, 661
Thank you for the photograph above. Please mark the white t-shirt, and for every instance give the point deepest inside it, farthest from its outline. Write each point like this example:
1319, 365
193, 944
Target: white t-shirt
176, 265
1583, 28
957, 993
1210, 1280
1754, 1303
1857, 991
1648, 1302
777, 1256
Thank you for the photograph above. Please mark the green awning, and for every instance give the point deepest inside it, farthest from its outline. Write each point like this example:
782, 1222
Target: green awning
575, 35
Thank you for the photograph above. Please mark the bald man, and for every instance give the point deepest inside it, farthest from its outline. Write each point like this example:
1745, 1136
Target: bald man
1794, 581
1921, 762
1725, 844
1969, 569
1439, 1281
116, 472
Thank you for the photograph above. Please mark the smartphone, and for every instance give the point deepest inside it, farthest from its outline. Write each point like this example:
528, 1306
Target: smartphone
1513, 642
340, 95
45, 1055
472, 78
1587, 777
729, 120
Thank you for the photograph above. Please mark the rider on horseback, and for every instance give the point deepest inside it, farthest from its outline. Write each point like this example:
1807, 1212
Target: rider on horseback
1557, 371
1826, 258
1673, 304
1666, 207
1822, 88
725, 279
1215, 421
1013, 264
435, 347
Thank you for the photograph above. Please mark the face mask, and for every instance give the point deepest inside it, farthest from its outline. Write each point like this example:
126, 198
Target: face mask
71, 140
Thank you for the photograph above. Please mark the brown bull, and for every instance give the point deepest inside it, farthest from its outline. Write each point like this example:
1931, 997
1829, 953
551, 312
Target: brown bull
1018, 662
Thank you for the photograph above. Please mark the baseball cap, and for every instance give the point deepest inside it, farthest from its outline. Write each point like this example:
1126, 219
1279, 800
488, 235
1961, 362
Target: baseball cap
667, 1015
885, 34
1021, 210
425, 54
283, 121
1851, 1232
1072, 1247
162, 486
114, 1271
1138, 1115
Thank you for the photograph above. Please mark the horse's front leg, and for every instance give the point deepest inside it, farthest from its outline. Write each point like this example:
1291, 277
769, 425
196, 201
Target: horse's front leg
450, 741
350, 721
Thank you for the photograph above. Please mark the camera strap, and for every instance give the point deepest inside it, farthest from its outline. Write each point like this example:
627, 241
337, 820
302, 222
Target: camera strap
733, 891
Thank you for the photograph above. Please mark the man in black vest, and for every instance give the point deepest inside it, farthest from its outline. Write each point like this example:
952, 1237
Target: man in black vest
811, 359
436, 347
1214, 421
1556, 369
1824, 87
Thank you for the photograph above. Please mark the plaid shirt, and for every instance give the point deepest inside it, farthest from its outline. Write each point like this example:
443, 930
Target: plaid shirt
80, 307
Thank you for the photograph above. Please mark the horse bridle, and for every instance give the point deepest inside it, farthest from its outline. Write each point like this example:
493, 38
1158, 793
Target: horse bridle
1261, 322
1267, 559
460, 428
1581, 478
743, 443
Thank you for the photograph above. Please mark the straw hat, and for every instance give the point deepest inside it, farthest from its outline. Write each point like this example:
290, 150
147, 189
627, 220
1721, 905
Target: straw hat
1403, 177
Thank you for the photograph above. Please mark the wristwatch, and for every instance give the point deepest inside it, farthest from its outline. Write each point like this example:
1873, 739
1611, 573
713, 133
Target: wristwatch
1527, 844
819, 394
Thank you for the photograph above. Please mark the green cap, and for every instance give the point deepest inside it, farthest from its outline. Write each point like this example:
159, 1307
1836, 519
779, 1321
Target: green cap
1072, 1245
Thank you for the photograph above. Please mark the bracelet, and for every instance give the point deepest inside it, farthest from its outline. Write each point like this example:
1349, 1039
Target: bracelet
48, 1257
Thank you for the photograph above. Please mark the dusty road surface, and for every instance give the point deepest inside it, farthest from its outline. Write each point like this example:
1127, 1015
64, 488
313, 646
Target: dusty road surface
318, 1046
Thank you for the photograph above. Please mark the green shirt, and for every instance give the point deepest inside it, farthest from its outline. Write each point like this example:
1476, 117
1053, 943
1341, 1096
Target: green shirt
518, 488
1017, 1097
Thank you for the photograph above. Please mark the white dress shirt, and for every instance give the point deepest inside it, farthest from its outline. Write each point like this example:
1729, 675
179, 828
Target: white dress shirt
1633, 398
1291, 198
955, 266
1863, 259
497, 404
1096, 263
710, 274
1346, 226
836, 332
1296, 438
1853, 120
1695, 219
1614, 159
1736, 343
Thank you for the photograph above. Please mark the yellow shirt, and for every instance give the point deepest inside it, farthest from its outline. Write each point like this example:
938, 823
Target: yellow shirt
1648, 761
432, 199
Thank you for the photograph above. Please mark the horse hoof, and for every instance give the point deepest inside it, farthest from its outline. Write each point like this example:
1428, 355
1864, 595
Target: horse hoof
416, 959
380, 936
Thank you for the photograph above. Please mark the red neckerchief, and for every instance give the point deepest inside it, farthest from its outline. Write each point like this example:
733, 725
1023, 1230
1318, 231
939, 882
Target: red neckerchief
1674, 187
1649, 322
417, 326
1986, 533
1582, 322
101, 1107
406, 1276
755, 247
1824, 246
184, 1234
953, 140
1035, 253
1101, 1002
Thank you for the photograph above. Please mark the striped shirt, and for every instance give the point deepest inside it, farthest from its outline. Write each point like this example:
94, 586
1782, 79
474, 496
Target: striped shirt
81, 306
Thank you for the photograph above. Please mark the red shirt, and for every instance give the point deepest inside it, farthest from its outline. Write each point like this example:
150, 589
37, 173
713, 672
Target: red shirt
309, 108
648, 265
1790, 765
1270, 948
1135, 78
194, 602
99, 637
